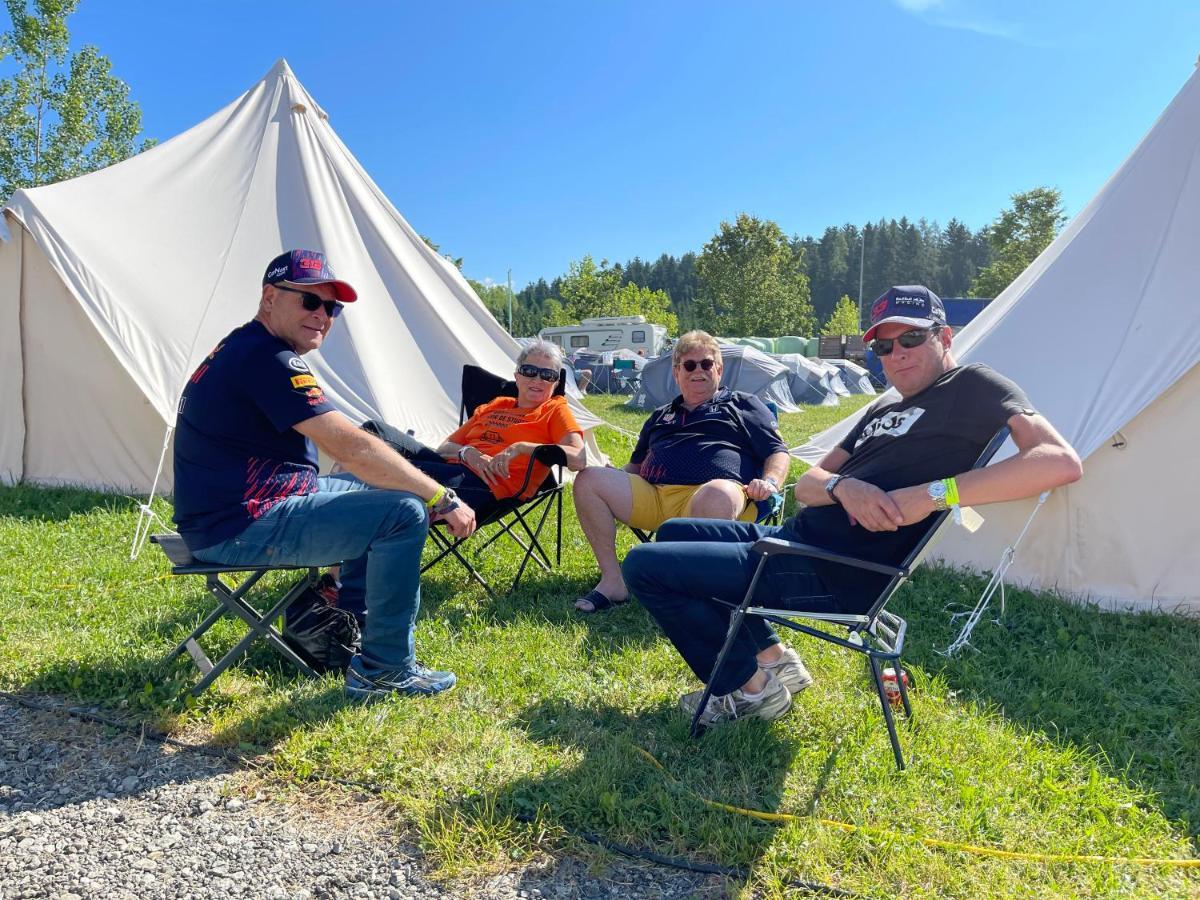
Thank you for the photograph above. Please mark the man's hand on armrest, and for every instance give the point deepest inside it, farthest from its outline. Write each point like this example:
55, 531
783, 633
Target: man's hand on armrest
774, 471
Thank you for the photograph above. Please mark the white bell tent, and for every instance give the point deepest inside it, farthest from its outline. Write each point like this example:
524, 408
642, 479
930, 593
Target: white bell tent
123, 279
1103, 332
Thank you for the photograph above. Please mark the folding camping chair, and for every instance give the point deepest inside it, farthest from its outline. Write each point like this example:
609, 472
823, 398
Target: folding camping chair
478, 387
233, 601
877, 633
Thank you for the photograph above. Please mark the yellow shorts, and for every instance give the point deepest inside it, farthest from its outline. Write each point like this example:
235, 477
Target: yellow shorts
653, 504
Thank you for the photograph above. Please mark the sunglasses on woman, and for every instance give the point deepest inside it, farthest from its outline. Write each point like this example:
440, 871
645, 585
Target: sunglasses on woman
537, 372
312, 302
908, 340
689, 365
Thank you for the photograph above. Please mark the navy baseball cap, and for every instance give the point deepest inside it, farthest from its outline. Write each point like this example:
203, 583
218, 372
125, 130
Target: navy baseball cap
910, 304
304, 267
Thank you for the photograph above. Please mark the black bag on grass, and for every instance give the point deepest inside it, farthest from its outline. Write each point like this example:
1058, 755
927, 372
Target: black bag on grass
322, 635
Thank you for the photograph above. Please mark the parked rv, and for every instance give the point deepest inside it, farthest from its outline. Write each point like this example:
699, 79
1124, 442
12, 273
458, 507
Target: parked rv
609, 333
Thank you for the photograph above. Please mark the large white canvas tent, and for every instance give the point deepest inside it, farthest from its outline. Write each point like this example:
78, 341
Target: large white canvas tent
122, 280
1102, 332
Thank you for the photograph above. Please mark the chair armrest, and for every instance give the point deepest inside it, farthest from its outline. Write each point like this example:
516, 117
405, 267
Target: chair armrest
547, 455
550, 454
776, 547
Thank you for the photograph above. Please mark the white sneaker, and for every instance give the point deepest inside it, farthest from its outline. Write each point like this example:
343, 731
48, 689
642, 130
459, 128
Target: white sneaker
790, 670
773, 702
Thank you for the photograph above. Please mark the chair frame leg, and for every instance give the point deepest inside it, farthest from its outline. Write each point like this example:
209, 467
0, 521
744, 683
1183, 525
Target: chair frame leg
886, 705
735, 624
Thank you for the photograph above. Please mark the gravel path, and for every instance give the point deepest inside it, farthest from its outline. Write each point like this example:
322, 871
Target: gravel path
87, 811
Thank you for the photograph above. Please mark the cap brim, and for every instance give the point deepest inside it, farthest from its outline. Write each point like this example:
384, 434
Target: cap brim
898, 320
342, 291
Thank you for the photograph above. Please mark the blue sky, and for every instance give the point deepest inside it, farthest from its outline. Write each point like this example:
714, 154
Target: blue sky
524, 135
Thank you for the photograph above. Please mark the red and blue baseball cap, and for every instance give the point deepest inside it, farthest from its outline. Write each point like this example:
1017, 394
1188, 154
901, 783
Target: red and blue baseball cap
910, 304
305, 267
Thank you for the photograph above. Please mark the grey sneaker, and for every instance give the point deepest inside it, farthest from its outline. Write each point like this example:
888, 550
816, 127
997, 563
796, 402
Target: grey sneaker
790, 670
774, 702
416, 679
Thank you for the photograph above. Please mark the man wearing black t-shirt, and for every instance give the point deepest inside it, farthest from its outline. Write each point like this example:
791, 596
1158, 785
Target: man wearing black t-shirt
246, 486
711, 453
867, 498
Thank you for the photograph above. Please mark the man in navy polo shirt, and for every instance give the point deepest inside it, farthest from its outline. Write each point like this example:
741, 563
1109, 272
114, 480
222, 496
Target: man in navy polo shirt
710, 453
246, 485
905, 458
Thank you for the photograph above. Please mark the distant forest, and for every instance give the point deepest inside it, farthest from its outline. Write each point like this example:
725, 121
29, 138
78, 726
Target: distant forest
894, 252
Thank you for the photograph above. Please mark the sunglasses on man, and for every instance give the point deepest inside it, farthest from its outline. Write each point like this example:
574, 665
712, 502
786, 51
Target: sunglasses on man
537, 372
907, 340
689, 365
313, 302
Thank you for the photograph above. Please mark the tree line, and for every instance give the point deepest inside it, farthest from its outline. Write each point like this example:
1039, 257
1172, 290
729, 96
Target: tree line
752, 279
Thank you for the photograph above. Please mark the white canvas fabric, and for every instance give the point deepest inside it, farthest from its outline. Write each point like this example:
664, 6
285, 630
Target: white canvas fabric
123, 279
1101, 333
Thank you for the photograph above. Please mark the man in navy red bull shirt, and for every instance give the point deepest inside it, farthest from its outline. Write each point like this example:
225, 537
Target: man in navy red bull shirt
247, 490
710, 453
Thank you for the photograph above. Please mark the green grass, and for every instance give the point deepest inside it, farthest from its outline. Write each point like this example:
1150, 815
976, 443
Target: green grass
1070, 732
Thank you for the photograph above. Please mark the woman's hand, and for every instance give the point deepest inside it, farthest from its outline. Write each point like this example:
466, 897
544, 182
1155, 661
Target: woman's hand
497, 467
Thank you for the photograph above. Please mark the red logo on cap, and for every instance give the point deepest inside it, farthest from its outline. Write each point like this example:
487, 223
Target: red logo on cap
309, 263
878, 308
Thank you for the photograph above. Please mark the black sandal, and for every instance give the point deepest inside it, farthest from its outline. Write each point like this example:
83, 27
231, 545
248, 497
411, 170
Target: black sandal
599, 601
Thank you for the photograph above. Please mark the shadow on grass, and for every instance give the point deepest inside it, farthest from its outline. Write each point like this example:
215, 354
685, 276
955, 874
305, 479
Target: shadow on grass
134, 677
43, 504
617, 792
542, 598
1125, 685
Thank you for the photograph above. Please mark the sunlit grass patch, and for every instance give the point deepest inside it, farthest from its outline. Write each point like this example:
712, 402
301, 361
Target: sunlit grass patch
1070, 732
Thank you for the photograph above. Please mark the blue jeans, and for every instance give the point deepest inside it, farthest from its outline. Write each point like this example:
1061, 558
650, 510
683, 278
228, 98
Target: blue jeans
697, 571
377, 535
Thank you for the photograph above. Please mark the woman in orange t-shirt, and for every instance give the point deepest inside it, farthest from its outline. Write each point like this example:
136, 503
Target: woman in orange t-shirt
487, 457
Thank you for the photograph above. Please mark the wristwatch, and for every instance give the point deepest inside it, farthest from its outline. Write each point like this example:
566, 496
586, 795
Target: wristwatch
771, 478
448, 504
830, 485
937, 493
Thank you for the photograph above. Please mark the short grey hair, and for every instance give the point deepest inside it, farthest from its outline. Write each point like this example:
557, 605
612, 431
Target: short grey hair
542, 347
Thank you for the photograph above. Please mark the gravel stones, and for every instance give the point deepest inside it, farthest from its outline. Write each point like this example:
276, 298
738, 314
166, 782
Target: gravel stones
86, 814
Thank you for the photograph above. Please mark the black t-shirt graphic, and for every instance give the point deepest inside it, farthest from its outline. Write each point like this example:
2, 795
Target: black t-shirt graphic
938, 433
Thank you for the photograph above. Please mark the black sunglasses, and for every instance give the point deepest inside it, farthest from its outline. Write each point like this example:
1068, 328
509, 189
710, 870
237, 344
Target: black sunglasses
908, 340
536, 372
313, 302
689, 365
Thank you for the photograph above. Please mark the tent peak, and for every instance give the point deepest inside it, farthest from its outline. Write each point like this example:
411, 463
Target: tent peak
281, 67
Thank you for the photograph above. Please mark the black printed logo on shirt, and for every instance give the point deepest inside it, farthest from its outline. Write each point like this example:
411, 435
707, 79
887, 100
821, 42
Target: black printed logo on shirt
893, 424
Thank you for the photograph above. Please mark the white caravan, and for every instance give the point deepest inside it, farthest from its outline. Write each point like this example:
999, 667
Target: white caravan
609, 333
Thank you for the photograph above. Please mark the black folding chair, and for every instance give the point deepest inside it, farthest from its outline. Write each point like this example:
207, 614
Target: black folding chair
513, 515
877, 633
233, 601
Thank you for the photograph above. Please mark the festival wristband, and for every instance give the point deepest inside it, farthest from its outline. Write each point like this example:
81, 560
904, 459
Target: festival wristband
951, 491
436, 498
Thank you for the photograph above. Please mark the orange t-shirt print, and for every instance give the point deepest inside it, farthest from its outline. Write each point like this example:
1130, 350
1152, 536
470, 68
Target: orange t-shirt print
500, 424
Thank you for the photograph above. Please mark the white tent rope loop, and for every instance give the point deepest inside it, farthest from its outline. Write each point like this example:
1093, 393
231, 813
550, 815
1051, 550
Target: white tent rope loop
996, 582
